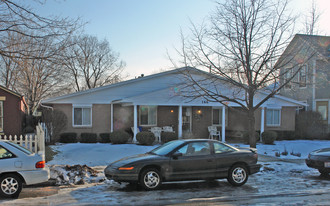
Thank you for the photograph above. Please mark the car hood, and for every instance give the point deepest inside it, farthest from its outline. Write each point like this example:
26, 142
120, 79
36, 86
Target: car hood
321, 152
133, 159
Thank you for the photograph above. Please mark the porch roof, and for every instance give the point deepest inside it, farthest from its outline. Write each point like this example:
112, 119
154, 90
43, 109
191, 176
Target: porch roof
168, 97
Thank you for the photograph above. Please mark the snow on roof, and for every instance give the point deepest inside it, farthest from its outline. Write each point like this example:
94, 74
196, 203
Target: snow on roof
156, 89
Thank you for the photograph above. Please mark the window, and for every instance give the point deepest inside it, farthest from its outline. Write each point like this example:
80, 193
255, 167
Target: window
303, 76
4, 153
288, 74
82, 116
221, 148
148, 115
195, 149
1, 116
217, 116
322, 108
273, 117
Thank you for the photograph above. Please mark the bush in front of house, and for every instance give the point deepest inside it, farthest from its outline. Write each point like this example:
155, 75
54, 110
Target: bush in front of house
145, 138
28, 129
310, 125
285, 135
88, 138
69, 137
105, 137
55, 121
268, 137
169, 136
246, 136
119, 137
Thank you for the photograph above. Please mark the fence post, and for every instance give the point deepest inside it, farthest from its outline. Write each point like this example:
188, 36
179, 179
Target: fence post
21, 140
40, 136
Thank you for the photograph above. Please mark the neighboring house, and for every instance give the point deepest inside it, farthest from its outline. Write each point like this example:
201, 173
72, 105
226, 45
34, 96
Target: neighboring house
12, 111
155, 100
311, 84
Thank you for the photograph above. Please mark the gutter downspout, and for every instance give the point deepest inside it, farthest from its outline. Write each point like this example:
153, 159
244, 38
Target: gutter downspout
313, 86
45, 106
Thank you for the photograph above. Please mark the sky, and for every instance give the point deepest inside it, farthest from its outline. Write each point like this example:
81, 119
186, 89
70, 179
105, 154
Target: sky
143, 32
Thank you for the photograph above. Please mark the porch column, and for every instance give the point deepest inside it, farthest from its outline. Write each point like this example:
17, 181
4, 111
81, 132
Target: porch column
180, 123
262, 126
135, 123
111, 117
223, 128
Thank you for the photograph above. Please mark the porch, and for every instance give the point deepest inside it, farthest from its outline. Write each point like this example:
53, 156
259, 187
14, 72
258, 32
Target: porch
186, 121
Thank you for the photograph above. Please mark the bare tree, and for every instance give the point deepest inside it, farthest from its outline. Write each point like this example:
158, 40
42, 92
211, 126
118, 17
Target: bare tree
30, 46
312, 19
36, 78
20, 19
239, 46
92, 63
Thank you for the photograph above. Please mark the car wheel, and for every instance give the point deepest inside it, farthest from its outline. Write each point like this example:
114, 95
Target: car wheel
11, 186
238, 175
150, 179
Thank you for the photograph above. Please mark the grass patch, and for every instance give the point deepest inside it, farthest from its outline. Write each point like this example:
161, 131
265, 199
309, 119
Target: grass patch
50, 153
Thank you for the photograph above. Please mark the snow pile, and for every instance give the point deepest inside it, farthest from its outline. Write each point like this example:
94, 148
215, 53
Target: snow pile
75, 175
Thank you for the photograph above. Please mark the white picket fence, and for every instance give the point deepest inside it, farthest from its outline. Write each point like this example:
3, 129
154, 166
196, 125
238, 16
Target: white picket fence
34, 142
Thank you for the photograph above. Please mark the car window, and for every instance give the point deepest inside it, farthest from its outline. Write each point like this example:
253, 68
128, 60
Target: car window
4, 153
195, 149
220, 148
166, 148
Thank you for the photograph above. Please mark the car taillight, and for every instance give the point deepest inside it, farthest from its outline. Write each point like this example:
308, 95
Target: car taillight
40, 164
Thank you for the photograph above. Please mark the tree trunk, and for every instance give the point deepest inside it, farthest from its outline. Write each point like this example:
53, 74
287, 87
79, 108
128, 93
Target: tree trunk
252, 138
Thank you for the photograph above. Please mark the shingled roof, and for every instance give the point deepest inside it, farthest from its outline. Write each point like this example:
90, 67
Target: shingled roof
321, 44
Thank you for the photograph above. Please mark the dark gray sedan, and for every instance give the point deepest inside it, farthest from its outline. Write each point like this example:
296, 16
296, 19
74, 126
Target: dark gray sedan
186, 160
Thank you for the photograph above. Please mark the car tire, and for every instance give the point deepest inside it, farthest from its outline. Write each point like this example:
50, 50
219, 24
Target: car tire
238, 175
150, 179
10, 186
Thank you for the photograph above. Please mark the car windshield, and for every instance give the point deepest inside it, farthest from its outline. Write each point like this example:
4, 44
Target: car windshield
166, 148
19, 148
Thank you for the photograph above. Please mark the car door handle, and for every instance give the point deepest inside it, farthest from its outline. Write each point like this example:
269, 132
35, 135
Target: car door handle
209, 160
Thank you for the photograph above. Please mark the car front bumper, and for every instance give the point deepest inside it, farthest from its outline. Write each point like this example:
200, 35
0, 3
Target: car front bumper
121, 176
317, 164
35, 176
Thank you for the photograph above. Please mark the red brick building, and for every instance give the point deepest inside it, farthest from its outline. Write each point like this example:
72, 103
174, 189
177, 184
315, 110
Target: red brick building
12, 109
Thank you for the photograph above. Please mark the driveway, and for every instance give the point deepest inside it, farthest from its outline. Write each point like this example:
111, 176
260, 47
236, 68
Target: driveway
281, 182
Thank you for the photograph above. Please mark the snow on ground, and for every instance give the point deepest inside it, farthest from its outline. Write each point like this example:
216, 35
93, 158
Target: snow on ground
100, 155
72, 163
293, 148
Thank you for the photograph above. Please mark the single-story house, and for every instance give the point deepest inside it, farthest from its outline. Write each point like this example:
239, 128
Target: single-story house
12, 111
155, 100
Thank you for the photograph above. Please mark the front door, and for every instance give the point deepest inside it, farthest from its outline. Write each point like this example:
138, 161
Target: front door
186, 120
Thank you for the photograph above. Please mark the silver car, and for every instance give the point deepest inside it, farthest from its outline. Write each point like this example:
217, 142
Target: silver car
19, 166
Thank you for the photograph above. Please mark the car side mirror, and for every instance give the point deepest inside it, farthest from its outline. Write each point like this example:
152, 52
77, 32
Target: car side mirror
176, 155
